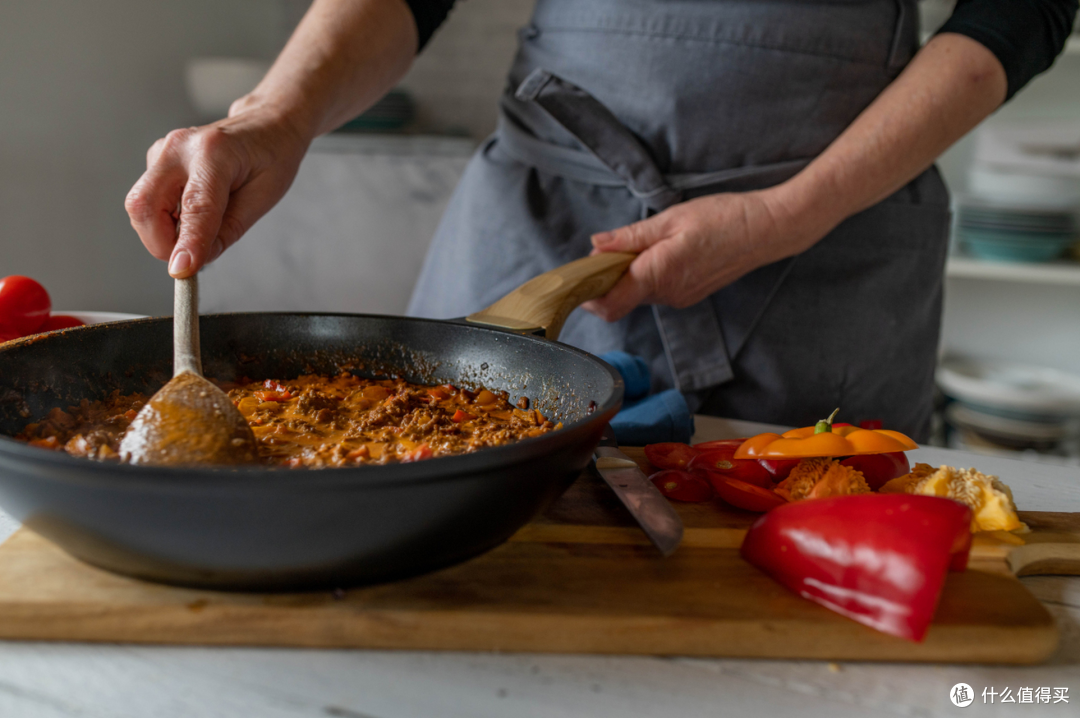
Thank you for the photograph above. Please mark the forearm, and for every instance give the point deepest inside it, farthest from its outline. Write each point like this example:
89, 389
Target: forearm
950, 86
342, 58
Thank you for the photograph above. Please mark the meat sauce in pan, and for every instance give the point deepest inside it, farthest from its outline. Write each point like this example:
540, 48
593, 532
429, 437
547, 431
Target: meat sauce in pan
319, 421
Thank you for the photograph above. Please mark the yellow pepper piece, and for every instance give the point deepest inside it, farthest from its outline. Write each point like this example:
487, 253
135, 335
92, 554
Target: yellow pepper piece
990, 500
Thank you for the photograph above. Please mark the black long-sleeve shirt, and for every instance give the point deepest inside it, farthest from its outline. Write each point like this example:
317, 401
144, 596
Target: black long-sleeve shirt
1025, 35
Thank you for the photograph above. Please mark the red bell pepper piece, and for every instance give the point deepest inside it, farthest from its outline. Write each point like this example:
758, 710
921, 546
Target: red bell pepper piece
879, 559
723, 461
779, 468
745, 496
682, 485
879, 469
670, 455
719, 444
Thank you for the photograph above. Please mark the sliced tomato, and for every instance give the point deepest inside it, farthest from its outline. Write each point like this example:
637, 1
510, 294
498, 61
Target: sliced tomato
60, 321
879, 469
441, 392
682, 485
670, 455
743, 495
50, 442
779, 468
723, 461
272, 395
460, 416
719, 444
24, 306
359, 453
418, 454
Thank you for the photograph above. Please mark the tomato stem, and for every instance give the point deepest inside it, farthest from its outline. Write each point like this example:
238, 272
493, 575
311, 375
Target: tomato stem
825, 425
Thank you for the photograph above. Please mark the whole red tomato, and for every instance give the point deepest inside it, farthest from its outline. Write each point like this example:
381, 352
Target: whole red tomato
682, 485
60, 321
879, 469
24, 305
670, 455
723, 461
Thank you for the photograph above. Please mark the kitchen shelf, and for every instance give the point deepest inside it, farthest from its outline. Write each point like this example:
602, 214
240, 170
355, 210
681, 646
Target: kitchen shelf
1061, 273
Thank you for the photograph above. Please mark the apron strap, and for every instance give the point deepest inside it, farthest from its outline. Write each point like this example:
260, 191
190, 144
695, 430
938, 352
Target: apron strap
692, 338
584, 166
694, 346
601, 133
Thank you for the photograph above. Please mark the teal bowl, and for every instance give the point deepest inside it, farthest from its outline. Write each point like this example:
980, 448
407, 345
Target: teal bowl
1001, 246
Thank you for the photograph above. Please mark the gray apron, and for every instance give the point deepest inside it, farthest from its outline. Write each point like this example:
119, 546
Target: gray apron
617, 109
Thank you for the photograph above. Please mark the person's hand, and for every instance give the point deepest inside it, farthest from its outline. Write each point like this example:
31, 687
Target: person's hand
205, 186
691, 250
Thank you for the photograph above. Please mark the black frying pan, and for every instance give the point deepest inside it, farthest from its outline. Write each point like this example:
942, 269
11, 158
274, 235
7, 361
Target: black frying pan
258, 528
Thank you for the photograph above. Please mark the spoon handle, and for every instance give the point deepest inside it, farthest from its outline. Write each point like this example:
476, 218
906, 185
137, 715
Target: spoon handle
186, 355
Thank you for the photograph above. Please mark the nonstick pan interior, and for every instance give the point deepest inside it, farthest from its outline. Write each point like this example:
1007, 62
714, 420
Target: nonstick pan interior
271, 529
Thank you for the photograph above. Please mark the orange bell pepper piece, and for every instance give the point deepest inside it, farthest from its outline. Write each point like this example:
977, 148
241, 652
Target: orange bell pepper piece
824, 439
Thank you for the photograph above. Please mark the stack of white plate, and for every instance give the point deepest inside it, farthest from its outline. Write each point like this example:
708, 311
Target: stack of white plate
1014, 232
99, 317
1009, 405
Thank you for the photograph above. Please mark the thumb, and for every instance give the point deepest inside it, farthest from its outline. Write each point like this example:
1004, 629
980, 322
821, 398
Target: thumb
201, 209
636, 237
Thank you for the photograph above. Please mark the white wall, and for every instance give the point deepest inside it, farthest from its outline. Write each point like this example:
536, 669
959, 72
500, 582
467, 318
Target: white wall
351, 234
86, 87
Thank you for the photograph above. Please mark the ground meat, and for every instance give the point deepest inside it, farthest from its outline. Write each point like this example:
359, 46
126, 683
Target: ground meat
317, 421
311, 402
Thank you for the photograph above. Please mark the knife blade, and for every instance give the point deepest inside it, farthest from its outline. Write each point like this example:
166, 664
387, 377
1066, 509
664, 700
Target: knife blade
642, 499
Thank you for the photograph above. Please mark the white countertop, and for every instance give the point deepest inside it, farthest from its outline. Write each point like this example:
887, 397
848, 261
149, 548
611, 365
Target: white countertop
41, 680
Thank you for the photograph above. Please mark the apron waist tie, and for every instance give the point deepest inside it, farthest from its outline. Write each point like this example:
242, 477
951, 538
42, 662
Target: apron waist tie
601, 133
582, 166
693, 341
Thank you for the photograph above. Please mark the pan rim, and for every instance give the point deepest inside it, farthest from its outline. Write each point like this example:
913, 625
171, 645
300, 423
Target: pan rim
80, 470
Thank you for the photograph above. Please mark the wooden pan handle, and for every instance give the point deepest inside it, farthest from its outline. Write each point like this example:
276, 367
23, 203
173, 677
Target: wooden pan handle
544, 302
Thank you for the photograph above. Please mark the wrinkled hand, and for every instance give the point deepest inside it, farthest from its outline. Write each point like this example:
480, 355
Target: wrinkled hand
691, 250
221, 177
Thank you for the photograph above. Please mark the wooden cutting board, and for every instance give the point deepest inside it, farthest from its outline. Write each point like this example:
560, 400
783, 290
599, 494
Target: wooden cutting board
580, 579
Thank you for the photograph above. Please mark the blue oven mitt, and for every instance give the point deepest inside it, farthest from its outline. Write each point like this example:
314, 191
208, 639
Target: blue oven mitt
646, 419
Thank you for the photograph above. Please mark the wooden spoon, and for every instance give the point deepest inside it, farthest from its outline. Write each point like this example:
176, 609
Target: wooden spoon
189, 420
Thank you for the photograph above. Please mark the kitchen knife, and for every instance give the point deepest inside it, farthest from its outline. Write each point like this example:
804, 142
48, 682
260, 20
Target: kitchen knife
644, 501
